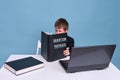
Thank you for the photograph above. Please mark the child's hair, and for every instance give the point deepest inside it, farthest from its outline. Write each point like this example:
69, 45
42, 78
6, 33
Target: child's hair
62, 23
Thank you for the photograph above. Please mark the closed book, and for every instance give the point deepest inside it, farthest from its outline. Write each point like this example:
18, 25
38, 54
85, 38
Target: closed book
53, 45
23, 65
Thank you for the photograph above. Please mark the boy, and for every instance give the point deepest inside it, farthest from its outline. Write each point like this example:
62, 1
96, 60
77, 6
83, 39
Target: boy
61, 26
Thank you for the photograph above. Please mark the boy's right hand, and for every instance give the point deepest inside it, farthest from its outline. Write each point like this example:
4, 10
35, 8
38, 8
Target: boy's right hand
66, 51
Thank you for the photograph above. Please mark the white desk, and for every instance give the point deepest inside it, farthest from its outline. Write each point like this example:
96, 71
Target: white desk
54, 71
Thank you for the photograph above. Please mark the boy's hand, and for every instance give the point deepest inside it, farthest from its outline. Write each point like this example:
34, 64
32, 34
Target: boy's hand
66, 51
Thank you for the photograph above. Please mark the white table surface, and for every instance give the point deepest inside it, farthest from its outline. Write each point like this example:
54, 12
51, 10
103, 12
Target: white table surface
54, 71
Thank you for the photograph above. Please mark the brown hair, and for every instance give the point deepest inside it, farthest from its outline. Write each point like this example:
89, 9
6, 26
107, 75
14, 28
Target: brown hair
62, 23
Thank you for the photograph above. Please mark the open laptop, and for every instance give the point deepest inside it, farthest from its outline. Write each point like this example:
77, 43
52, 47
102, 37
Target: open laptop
89, 58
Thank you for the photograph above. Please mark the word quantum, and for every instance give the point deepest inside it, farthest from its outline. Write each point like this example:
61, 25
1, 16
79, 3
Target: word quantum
58, 40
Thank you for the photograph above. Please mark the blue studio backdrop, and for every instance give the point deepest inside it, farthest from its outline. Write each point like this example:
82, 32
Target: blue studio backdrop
91, 22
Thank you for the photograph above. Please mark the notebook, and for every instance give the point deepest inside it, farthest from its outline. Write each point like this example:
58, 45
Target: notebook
88, 58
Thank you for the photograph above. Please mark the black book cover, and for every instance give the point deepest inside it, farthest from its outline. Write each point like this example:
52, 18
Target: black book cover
23, 65
53, 45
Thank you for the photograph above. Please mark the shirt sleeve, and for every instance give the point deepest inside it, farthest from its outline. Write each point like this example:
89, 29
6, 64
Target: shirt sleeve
70, 42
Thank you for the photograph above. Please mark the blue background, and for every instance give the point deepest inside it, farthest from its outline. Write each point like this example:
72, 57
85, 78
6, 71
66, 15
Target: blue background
92, 22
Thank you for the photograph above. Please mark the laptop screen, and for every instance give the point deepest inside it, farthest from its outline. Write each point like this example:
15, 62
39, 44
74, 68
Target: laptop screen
91, 55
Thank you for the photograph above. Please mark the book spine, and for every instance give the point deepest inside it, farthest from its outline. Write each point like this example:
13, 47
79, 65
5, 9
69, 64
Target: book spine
44, 45
50, 48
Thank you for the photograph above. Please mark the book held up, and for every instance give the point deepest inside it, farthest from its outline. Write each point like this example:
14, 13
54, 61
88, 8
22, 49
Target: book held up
23, 65
53, 45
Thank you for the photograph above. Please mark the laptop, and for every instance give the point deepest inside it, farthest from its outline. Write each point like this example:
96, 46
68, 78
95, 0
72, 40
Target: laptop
88, 58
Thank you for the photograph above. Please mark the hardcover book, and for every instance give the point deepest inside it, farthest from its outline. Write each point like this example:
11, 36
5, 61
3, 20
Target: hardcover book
23, 65
53, 45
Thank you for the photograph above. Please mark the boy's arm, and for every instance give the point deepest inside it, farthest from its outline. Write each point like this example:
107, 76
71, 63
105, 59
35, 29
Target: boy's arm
70, 44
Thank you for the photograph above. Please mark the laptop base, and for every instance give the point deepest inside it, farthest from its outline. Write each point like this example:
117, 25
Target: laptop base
64, 64
86, 68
